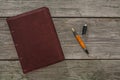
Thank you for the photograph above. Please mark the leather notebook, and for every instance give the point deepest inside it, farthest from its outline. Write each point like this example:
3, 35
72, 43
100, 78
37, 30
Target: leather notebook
35, 39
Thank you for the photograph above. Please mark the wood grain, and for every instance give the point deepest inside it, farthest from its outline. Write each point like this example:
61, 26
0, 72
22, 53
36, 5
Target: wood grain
62, 8
65, 70
102, 39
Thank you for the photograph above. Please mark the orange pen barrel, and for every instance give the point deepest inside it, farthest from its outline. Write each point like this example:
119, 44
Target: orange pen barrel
79, 39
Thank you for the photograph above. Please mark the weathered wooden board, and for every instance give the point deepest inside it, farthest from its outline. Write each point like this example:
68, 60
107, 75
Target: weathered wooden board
65, 70
63, 8
102, 39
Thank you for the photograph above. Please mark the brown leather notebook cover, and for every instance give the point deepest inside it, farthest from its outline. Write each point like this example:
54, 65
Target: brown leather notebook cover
35, 39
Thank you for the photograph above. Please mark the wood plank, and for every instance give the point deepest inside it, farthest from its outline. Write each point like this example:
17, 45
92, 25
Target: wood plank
79, 70
62, 8
102, 39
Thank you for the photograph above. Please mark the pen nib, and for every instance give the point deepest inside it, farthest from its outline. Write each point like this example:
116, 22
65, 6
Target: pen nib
87, 52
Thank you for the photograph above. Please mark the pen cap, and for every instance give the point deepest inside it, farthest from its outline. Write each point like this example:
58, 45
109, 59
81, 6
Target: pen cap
84, 29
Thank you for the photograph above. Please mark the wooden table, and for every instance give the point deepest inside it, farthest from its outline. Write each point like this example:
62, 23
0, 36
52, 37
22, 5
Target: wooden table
102, 40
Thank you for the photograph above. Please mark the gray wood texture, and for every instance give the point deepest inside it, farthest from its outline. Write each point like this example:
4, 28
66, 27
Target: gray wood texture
63, 8
102, 39
65, 70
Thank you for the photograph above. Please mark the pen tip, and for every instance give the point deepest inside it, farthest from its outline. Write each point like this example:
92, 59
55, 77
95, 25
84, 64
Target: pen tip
86, 51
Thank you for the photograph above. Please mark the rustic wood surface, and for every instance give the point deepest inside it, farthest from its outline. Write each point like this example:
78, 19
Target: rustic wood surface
63, 8
102, 40
65, 70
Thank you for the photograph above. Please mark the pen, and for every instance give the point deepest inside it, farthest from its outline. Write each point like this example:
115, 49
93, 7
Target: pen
80, 41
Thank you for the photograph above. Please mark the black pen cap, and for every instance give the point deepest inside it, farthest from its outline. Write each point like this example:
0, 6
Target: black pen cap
84, 29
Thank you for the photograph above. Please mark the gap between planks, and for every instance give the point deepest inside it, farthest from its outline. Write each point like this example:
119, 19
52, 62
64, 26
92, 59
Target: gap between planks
65, 59
73, 17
